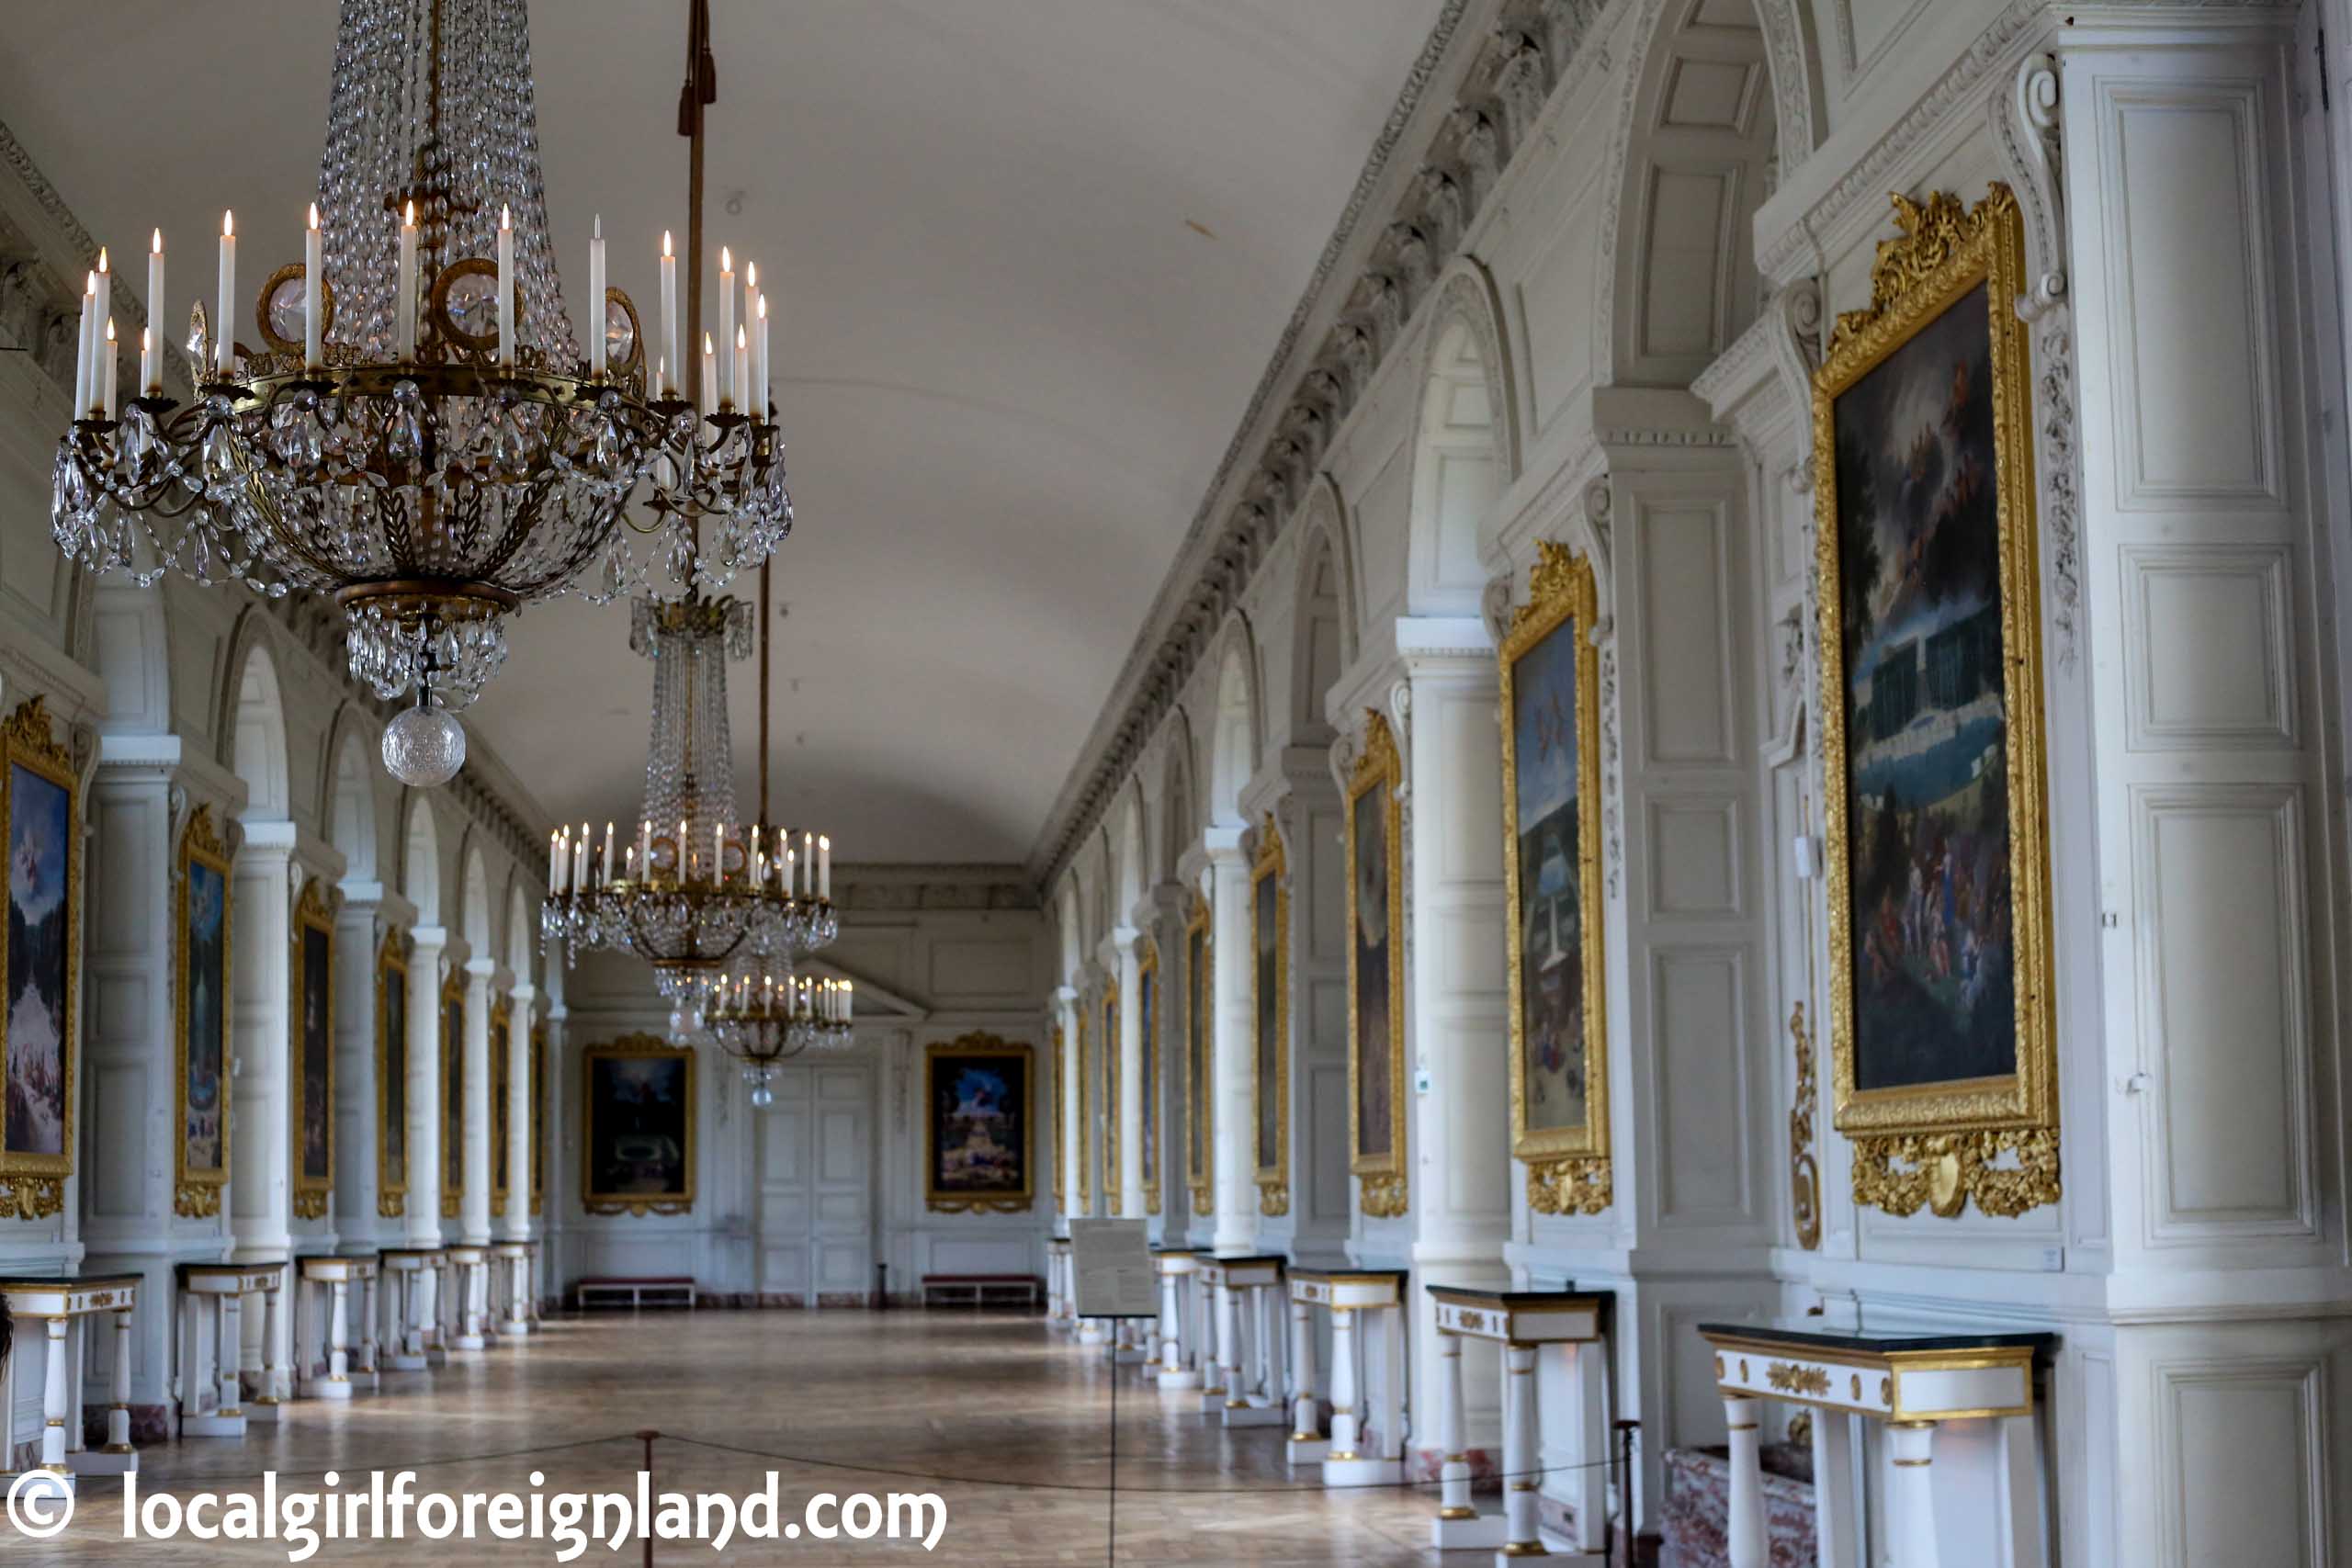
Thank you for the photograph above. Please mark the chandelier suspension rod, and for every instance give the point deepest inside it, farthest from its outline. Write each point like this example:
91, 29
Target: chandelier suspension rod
767, 617
700, 91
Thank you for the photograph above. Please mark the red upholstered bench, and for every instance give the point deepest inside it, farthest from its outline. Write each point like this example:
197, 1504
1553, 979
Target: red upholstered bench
981, 1289
657, 1289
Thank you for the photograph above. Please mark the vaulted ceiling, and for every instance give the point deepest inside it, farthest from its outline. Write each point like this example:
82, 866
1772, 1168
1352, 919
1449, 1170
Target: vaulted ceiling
1032, 255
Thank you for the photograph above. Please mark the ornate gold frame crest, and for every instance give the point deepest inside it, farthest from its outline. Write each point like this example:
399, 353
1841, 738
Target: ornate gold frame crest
501, 1088
1150, 1002
1200, 1098
1994, 1140
1274, 1180
392, 970
1114, 1189
979, 1045
637, 1203
32, 1186
1385, 1182
196, 1190
453, 1127
1568, 1169
311, 913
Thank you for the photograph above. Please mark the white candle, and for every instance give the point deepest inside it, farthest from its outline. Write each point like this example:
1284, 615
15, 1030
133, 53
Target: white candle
645, 844
742, 398
85, 353
709, 378
112, 365
849, 1001
669, 318
825, 869
555, 862
596, 297
758, 409
404, 300
808, 864
506, 298
314, 297
580, 859
789, 890
681, 867
101, 310
224, 335
608, 851
151, 353
718, 853
726, 315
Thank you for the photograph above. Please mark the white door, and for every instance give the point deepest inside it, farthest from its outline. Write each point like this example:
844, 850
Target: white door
816, 1215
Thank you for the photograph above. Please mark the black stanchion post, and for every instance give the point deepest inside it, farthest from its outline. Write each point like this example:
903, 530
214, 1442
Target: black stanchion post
1625, 1431
647, 1437
1110, 1539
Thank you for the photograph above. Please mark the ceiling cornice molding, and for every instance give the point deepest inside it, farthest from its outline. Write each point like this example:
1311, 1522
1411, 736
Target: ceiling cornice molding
1500, 77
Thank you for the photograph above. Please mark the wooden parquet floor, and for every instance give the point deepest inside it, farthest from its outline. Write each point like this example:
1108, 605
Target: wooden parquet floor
1004, 1421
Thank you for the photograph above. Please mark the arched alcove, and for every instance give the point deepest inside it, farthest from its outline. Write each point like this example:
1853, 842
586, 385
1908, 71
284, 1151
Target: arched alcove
1322, 638
420, 861
1233, 740
1073, 927
350, 812
1179, 828
257, 738
474, 905
1460, 466
519, 928
1130, 860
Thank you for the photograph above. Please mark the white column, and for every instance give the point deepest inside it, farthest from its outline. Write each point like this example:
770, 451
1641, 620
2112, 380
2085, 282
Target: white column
1228, 1345
1234, 1125
1911, 1493
515, 1224
1307, 1425
338, 1384
1743, 1531
368, 911
1460, 1135
1131, 1087
1072, 1090
274, 1327
429, 946
118, 1413
1346, 1416
261, 1026
474, 1207
368, 1316
1268, 1383
1521, 1483
1835, 1543
1206, 1343
1454, 1470
226, 1311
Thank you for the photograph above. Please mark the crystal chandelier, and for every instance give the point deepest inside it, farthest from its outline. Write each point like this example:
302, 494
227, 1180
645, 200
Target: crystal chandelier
764, 1020
696, 886
419, 435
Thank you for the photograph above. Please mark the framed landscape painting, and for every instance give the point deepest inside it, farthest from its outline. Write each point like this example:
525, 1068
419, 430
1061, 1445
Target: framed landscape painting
1938, 882
1061, 1124
1376, 974
539, 1117
201, 1051
502, 1114
391, 1077
637, 1133
978, 1144
1114, 1187
313, 1053
453, 1094
1559, 1034
43, 963
1200, 1115
1270, 1020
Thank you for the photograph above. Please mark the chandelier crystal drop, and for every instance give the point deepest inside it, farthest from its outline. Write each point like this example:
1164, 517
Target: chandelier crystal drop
694, 887
420, 436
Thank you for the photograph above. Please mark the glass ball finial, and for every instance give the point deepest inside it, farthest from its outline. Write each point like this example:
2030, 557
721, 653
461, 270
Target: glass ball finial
425, 746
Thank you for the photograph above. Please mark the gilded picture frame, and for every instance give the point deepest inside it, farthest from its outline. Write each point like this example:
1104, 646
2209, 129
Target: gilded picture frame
1376, 852
1952, 904
201, 1006
1147, 1004
501, 1085
1061, 1120
40, 1006
1270, 1020
310, 1055
1565, 1147
1114, 1187
1200, 1104
967, 1112
392, 1075
538, 1118
655, 1065
453, 1093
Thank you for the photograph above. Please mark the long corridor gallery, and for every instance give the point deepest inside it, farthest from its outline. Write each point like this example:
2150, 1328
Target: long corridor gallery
1286, 781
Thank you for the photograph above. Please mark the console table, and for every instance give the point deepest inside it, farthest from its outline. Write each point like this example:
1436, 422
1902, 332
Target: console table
1912, 1383
330, 1278
1341, 1292
1059, 1292
220, 1289
407, 1299
63, 1308
1244, 1291
1523, 1323
511, 1283
1177, 1269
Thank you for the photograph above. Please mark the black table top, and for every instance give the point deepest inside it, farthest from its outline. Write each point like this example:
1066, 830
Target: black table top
1517, 1298
1878, 1341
